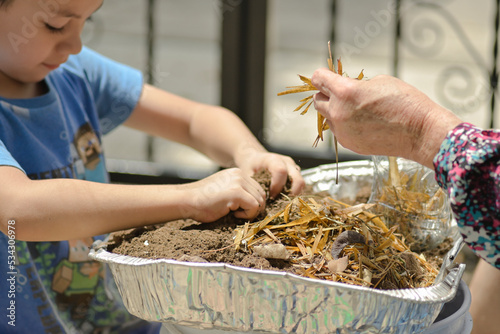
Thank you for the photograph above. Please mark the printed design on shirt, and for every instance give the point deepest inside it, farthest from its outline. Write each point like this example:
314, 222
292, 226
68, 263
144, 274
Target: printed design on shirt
31, 286
87, 154
76, 278
86, 161
88, 146
468, 167
83, 151
63, 290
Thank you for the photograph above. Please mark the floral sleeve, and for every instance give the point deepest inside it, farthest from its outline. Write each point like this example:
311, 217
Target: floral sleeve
468, 168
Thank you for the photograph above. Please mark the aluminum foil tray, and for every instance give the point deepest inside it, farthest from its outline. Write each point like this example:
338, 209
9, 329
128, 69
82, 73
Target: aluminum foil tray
225, 297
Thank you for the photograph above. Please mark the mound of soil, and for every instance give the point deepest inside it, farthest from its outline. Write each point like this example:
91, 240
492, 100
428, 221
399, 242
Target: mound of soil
192, 241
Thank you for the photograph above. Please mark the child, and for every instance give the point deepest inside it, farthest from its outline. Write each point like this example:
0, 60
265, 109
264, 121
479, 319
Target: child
56, 100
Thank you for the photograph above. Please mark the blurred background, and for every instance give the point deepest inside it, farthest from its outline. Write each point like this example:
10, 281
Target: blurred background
241, 53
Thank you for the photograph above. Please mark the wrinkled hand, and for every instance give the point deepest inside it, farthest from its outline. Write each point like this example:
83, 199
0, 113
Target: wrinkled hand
382, 116
280, 166
229, 190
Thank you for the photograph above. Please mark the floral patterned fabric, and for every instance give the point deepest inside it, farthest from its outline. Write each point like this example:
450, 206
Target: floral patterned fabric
468, 168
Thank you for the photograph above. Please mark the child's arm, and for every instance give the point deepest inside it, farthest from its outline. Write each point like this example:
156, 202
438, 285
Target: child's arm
214, 131
64, 209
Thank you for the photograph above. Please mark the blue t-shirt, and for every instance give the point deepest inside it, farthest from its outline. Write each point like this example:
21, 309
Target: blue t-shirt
52, 287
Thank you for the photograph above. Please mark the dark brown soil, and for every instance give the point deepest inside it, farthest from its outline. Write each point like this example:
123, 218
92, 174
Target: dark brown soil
191, 241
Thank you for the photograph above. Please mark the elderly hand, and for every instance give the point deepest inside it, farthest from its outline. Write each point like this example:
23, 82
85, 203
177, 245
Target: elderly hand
382, 116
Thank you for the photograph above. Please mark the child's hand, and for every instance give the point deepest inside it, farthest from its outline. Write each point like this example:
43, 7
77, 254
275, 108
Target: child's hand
228, 190
280, 166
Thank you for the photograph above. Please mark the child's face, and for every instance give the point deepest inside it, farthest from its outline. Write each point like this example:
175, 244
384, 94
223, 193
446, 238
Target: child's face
36, 36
